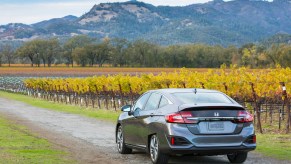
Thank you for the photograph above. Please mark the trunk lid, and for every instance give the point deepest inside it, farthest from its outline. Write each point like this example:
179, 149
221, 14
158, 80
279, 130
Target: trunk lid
213, 119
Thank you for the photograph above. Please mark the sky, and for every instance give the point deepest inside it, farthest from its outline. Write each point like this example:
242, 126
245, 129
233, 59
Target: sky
33, 11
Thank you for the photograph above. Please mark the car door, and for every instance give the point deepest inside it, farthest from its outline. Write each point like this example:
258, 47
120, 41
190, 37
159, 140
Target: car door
132, 125
146, 117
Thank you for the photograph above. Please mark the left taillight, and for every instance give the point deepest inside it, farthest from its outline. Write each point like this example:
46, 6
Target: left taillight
244, 116
174, 118
183, 117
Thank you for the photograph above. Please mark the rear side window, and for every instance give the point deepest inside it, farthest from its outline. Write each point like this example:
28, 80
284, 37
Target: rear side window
190, 98
163, 102
153, 102
141, 102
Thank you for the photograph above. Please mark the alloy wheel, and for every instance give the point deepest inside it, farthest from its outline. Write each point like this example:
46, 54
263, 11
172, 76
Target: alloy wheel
154, 148
119, 139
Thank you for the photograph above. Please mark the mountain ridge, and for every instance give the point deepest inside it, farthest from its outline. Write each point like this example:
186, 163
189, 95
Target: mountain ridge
216, 23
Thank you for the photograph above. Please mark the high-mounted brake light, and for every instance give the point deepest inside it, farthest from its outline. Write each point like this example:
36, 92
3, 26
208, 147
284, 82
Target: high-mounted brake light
181, 117
246, 117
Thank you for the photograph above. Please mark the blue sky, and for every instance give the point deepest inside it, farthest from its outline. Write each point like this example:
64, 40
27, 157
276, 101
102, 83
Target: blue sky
32, 11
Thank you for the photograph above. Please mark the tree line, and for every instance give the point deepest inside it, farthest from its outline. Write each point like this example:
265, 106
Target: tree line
84, 51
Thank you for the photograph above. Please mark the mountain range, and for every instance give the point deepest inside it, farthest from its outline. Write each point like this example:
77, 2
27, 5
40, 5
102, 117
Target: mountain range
217, 22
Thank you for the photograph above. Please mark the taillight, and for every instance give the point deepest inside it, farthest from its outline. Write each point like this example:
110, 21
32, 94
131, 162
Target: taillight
174, 118
181, 117
245, 117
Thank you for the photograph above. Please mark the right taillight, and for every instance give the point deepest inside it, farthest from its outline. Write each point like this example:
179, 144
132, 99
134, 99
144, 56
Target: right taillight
183, 117
244, 116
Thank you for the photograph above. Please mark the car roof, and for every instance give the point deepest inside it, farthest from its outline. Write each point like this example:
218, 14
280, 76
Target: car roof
177, 90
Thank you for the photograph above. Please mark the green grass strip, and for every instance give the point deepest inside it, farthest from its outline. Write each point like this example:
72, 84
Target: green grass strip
18, 145
275, 145
88, 112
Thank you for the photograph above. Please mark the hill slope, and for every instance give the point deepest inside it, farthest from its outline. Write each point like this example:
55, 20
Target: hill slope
217, 22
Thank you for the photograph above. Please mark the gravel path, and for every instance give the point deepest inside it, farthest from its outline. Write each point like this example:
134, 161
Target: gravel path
90, 140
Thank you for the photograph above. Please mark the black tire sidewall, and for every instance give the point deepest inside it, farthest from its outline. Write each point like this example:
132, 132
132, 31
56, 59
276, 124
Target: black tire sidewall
239, 157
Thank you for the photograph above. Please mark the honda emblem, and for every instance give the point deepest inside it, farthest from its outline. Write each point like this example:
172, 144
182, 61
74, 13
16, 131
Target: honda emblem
216, 114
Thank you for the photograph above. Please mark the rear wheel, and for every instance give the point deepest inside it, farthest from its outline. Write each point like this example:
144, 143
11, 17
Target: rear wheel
239, 157
156, 156
122, 149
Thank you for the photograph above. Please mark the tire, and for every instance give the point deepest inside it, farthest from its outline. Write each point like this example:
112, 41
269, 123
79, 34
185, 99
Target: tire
238, 157
122, 149
156, 156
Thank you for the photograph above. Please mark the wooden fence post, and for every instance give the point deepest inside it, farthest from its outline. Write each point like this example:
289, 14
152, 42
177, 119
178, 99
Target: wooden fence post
202, 85
98, 96
131, 94
225, 87
257, 108
286, 102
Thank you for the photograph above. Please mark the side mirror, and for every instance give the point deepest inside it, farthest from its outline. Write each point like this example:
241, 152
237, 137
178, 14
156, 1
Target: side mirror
126, 108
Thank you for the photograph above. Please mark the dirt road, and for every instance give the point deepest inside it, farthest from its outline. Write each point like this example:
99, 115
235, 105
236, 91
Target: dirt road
90, 140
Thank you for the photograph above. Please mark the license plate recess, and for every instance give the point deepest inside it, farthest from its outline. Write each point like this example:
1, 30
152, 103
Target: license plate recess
216, 126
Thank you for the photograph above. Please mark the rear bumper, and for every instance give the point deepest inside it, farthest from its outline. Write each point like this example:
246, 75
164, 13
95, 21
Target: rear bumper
209, 150
218, 144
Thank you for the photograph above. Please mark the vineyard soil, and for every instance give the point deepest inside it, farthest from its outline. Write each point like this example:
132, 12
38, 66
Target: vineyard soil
91, 140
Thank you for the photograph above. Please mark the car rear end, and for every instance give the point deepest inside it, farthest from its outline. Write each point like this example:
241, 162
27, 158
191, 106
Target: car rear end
212, 128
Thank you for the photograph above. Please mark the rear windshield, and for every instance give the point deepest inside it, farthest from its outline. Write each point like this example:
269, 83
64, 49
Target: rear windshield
190, 98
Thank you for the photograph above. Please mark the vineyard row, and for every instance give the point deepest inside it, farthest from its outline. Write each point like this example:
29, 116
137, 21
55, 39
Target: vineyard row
265, 93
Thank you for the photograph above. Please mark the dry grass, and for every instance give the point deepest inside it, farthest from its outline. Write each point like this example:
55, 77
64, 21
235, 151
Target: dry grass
80, 71
27, 70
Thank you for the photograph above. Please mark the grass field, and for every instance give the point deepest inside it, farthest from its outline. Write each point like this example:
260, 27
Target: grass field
272, 145
275, 145
18, 145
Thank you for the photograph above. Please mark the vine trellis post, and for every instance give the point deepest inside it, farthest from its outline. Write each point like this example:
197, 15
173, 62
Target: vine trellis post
257, 108
287, 103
